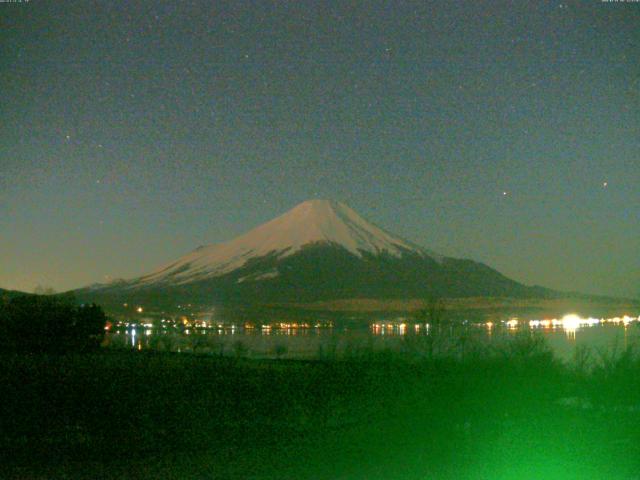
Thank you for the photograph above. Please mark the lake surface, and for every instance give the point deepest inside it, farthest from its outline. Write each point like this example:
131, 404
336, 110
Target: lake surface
305, 341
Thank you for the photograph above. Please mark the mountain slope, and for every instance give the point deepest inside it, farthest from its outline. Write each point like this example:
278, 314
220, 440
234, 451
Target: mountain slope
311, 222
316, 251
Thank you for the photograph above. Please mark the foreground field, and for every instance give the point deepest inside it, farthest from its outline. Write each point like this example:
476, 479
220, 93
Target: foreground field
510, 414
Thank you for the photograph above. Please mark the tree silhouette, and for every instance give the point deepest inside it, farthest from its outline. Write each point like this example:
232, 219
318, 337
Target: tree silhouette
43, 290
52, 324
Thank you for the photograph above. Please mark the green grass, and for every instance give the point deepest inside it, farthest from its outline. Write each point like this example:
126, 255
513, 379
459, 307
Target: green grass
512, 413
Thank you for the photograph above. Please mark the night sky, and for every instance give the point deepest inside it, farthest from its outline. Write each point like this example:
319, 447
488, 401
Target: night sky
506, 132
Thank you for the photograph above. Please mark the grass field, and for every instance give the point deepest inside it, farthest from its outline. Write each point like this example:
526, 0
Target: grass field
516, 413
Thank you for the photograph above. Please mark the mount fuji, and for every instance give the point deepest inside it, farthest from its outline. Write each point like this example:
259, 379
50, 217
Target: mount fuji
319, 250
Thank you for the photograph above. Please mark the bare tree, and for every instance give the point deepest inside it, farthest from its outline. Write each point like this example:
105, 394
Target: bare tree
43, 290
437, 341
433, 313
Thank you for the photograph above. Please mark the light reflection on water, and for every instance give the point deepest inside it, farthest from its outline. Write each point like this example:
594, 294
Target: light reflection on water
562, 335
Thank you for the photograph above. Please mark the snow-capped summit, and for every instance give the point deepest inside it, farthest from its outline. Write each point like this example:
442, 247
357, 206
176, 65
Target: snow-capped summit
312, 222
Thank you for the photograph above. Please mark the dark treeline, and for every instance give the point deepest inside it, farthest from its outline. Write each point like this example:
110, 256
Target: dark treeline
49, 324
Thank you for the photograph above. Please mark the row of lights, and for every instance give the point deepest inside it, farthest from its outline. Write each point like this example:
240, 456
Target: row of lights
573, 322
570, 321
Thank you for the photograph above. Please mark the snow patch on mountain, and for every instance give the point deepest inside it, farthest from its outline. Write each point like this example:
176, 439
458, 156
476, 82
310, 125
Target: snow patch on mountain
273, 273
311, 222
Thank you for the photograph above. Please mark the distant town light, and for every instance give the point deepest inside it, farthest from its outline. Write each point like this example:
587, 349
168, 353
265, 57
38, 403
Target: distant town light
139, 310
571, 321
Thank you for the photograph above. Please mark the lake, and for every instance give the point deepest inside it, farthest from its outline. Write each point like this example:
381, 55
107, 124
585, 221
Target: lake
301, 341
